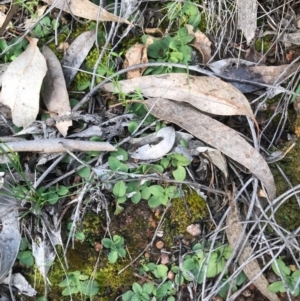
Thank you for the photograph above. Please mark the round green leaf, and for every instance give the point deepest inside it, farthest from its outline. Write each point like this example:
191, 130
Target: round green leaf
119, 189
154, 201
136, 197
146, 193
132, 126
179, 174
137, 288
51, 198
84, 172
112, 256
62, 190
148, 288
156, 190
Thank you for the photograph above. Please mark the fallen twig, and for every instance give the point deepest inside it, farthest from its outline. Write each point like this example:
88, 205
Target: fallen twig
55, 146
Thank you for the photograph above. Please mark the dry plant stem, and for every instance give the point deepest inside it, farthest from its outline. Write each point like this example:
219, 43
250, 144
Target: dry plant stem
13, 9
152, 241
58, 145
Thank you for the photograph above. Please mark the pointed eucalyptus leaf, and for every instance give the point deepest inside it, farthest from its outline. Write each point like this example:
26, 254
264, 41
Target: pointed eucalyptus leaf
225, 139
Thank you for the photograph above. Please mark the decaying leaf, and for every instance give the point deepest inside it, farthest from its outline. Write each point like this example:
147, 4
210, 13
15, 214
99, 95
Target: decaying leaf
54, 92
243, 70
293, 38
86, 9
216, 157
234, 230
21, 84
208, 94
216, 134
201, 43
137, 54
247, 18
156, 151
10, 236
3, 68
76, 54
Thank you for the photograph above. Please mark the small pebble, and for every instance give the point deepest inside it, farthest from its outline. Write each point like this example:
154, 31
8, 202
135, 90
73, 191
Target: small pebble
160, 244
246, 293
194, 229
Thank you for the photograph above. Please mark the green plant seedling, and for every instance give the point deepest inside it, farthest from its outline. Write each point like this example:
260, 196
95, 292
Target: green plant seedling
76, 282
139, 292
116, 246
78, 234
289, 280
25, 253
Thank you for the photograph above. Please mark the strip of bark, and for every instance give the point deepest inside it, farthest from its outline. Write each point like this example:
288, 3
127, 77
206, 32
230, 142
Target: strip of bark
58, 145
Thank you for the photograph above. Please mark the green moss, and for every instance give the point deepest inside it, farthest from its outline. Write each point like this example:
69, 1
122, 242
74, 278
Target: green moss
263, 44
182, 213
288, 214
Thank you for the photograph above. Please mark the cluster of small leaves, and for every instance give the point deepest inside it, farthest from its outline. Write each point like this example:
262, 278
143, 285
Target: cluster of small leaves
12, 52
76, 282
156, 195
195, 267
289, 281
78, 234
52, 194
185, 12
169, 49
25, 253
147, 291
45, 27
116, 246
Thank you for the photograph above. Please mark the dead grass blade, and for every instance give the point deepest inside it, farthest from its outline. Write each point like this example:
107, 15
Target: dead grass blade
216, 134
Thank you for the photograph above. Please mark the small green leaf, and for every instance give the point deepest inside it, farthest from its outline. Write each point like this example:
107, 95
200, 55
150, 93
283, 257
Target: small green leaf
120, 154
84, 172
112, 256
179, 279
122, 252
156, 190
136, 197
179, 174
241, 278
296, 275
119, 189
283, 268
107, 243
51, 198
146, 193
148, 288
137, 288
189, 264
277, 287
62, 190
154, 201
132, 126
80, 236
89, 288
122, 199
161, 271
127, 296
164, 162
113, 163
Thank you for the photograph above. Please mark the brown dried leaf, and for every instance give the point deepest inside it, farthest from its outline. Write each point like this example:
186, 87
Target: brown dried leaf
87, 10
208, 94
21, 84
137, 54
247, 18
54, 93
201, 43
216, 134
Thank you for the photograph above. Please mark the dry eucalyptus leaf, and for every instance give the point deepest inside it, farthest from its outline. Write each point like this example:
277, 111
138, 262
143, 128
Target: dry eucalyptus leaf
76, 54
216, 157
293, 38
137, 54
208, 94
3, 68
244, 70
87, 10
216, 134
201, 43
54, 92
21, 84
156, 151
247, 18
10, 236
